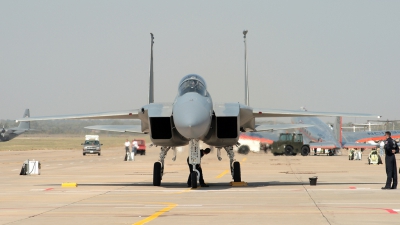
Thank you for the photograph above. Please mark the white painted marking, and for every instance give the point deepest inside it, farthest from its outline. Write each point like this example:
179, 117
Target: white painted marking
397, 210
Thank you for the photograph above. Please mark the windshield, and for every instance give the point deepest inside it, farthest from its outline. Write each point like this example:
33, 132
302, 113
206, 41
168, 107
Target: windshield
192, 85
91, 142
298, 138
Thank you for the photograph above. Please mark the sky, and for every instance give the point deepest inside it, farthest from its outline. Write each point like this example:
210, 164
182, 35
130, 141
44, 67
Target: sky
69, 57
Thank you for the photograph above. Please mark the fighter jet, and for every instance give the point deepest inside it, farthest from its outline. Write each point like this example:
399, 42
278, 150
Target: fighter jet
321, 135
11, 133
193, 117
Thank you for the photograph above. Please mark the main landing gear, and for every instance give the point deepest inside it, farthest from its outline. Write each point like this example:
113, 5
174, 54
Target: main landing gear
158, 169
234, 165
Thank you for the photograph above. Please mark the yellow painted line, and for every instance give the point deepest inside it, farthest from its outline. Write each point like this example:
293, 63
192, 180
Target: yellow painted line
227, 171
184, 191
222, 174
157, 214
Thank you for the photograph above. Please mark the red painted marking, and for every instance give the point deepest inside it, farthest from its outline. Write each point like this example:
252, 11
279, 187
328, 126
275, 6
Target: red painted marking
352, 187
391, 211
250, 138
259, 112
377, 138
48, 189
130, 114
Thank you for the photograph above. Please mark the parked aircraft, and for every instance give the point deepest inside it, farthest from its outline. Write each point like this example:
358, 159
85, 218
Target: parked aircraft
321, 135
11, 133
193, 117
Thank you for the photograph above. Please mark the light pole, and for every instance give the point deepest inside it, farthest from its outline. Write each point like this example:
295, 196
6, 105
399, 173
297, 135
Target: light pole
246, 75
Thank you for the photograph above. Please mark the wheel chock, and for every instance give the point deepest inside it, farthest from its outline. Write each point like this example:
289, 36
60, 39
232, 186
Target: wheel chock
238, 184
69, 185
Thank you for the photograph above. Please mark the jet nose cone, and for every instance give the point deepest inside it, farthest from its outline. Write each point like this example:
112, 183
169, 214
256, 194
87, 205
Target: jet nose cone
192, 117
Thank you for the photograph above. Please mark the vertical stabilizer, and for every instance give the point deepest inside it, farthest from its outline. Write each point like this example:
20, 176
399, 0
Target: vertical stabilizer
246, 75
151, 83
25, 125
337, 129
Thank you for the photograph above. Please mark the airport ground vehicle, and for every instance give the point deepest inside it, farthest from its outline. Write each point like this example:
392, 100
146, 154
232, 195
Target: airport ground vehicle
290, 144
92, 145
142, 147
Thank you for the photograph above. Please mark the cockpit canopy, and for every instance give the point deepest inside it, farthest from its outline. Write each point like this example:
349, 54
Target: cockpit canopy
192, 83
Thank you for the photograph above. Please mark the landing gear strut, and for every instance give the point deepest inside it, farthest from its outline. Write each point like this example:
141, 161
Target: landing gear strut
235, 166
158, 169
194, 159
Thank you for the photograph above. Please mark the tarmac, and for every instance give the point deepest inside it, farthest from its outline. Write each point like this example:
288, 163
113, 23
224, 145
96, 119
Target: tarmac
113, 191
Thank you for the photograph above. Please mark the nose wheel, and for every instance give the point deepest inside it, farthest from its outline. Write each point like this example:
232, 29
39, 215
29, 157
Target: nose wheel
193, 177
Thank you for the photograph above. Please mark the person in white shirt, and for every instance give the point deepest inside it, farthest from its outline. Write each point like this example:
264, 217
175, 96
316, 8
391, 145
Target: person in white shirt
135, 146
381, 148
127, 152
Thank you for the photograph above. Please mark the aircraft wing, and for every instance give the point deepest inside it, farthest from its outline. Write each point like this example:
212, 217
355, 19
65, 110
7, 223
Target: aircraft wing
117, 128
257, 112
325, 145
364, 136
358, 145
273, 127
128, 114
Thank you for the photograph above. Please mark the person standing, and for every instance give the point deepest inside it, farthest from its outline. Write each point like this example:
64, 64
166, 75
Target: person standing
381, 148
127, 152
198, 167
135, 146
390, 161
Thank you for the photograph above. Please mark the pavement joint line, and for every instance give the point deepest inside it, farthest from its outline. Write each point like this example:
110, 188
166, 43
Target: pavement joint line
157, 214
308, 193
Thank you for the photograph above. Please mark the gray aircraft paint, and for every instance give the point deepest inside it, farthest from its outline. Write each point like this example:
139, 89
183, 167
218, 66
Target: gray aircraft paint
11, 133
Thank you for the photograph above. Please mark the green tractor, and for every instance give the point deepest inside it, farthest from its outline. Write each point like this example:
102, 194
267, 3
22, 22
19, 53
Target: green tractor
290, 144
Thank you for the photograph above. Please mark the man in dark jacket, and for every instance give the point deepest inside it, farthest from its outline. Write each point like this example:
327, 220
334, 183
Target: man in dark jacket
390, 161
198, 167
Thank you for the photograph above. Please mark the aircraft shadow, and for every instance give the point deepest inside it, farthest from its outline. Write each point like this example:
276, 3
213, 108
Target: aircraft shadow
214, 186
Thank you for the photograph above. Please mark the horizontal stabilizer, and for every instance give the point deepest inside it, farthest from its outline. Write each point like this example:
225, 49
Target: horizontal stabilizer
128, 114
117, 128
273, 127
324, 145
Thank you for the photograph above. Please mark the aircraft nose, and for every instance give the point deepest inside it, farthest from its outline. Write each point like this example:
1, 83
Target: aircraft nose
192, 118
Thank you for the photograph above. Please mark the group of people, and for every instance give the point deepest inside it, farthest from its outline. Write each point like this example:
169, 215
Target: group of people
134, 145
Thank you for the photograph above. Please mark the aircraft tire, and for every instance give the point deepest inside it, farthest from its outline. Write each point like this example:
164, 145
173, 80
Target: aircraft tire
84, 154
157, 174
193, 177
244, 149
236, 172
288, 150
305, 150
